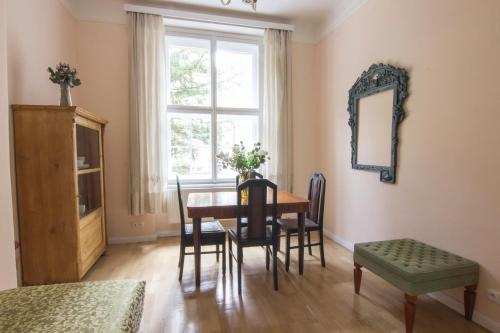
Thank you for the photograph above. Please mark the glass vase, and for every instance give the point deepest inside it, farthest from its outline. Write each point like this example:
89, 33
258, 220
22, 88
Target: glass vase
244, 176
65, 95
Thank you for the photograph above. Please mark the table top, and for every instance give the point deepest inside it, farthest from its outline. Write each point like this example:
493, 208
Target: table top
224, 204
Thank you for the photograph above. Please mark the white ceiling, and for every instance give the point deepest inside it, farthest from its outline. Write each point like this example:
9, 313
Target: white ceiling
289, 9
312, 18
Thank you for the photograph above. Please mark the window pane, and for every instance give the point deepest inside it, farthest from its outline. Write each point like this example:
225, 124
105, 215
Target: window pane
232, 129
189, 71
237, 75
190, 146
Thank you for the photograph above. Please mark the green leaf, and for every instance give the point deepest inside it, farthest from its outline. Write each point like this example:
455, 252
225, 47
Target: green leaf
240, 160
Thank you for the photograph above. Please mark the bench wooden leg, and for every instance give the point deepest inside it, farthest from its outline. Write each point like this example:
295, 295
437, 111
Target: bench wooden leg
357, 277
410, 309
469, 301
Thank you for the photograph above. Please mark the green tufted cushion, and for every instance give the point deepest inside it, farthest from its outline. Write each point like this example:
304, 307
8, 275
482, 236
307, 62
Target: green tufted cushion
416, 267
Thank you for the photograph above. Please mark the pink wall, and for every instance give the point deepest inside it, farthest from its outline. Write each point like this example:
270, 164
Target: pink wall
40, 34
8, 277
305, 115
103, 62
448, 188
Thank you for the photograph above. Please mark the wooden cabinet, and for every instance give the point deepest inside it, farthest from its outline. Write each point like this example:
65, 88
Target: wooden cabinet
60, 191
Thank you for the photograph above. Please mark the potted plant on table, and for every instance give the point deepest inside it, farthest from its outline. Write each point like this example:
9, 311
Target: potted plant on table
244, 162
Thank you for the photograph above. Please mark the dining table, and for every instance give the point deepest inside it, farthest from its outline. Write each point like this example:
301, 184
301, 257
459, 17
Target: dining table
223, 205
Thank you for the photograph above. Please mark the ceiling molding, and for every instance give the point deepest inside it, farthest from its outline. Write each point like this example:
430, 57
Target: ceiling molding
71, 7
341, 13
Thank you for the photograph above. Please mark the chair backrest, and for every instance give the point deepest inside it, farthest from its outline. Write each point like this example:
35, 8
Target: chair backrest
181, 208
256, 174
257, 208
316, 196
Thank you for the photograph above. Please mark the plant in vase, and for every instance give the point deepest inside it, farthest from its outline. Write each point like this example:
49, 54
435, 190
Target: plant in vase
66, 78
244, 162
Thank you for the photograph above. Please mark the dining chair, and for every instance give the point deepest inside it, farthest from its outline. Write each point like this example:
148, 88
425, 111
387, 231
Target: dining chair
256, 232
313, 219
212, 233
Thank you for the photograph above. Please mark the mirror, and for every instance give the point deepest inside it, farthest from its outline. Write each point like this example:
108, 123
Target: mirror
374, 128
375, 112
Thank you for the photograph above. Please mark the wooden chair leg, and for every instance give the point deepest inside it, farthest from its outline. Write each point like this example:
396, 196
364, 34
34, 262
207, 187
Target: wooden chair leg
309, 243
410, 310
217, 252
358, 273
181, 261
267, 256
240, 258
469, 301
287, 255
322, 248
230, 255
224, 258
180, 255
275, 266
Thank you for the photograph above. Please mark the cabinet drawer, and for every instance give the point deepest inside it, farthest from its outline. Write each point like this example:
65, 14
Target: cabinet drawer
92, 240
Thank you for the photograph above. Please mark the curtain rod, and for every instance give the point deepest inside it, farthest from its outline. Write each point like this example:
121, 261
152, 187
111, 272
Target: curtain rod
208, 18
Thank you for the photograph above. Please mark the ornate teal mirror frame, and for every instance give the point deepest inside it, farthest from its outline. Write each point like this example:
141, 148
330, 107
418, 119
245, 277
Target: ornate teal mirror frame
379, 78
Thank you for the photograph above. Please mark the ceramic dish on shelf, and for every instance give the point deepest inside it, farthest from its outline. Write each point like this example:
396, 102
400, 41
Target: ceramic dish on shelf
83, 166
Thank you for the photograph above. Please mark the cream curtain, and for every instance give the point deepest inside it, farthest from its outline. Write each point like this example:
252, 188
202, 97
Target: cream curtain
148, 178
277, 134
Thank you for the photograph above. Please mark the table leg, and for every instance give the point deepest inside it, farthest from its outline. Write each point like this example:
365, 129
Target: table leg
197, 248
301, 220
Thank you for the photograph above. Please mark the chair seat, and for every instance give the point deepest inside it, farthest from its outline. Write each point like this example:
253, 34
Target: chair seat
211, 233
233, 234
292, 225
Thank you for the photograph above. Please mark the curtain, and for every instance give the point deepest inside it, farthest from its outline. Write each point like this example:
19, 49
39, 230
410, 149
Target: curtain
277, 113
148, 179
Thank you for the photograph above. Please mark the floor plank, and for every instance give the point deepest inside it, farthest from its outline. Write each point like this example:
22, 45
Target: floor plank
322, 300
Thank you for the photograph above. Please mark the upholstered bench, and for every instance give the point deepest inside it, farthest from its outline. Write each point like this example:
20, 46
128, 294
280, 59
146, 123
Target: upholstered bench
416, 268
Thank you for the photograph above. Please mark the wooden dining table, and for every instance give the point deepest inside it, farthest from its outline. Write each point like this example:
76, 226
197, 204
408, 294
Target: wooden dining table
223, 205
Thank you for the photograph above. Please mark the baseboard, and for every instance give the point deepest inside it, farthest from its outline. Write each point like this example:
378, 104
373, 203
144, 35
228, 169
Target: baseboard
342, 242
168, 233
441, 297
478, 317
136, 239
142, 239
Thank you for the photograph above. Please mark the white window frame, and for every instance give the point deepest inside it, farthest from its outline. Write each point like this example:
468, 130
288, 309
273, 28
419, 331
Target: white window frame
214, 110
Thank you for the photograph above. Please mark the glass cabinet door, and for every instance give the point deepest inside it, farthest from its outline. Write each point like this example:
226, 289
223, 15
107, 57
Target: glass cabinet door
88, 162
87, 148
89, 193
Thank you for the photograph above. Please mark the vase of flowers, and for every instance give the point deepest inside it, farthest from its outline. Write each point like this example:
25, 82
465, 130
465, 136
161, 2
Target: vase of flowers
244, 162
66, 78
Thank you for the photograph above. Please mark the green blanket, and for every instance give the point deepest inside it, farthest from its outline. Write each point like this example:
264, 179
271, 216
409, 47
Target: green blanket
104, 306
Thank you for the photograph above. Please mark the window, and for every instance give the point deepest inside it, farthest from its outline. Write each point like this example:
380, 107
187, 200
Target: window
214, 102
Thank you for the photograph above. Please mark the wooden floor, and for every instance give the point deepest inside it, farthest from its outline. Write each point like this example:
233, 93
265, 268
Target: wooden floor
320, 301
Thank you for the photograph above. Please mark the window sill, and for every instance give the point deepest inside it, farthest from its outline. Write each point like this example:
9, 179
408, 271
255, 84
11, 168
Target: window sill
204, 186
